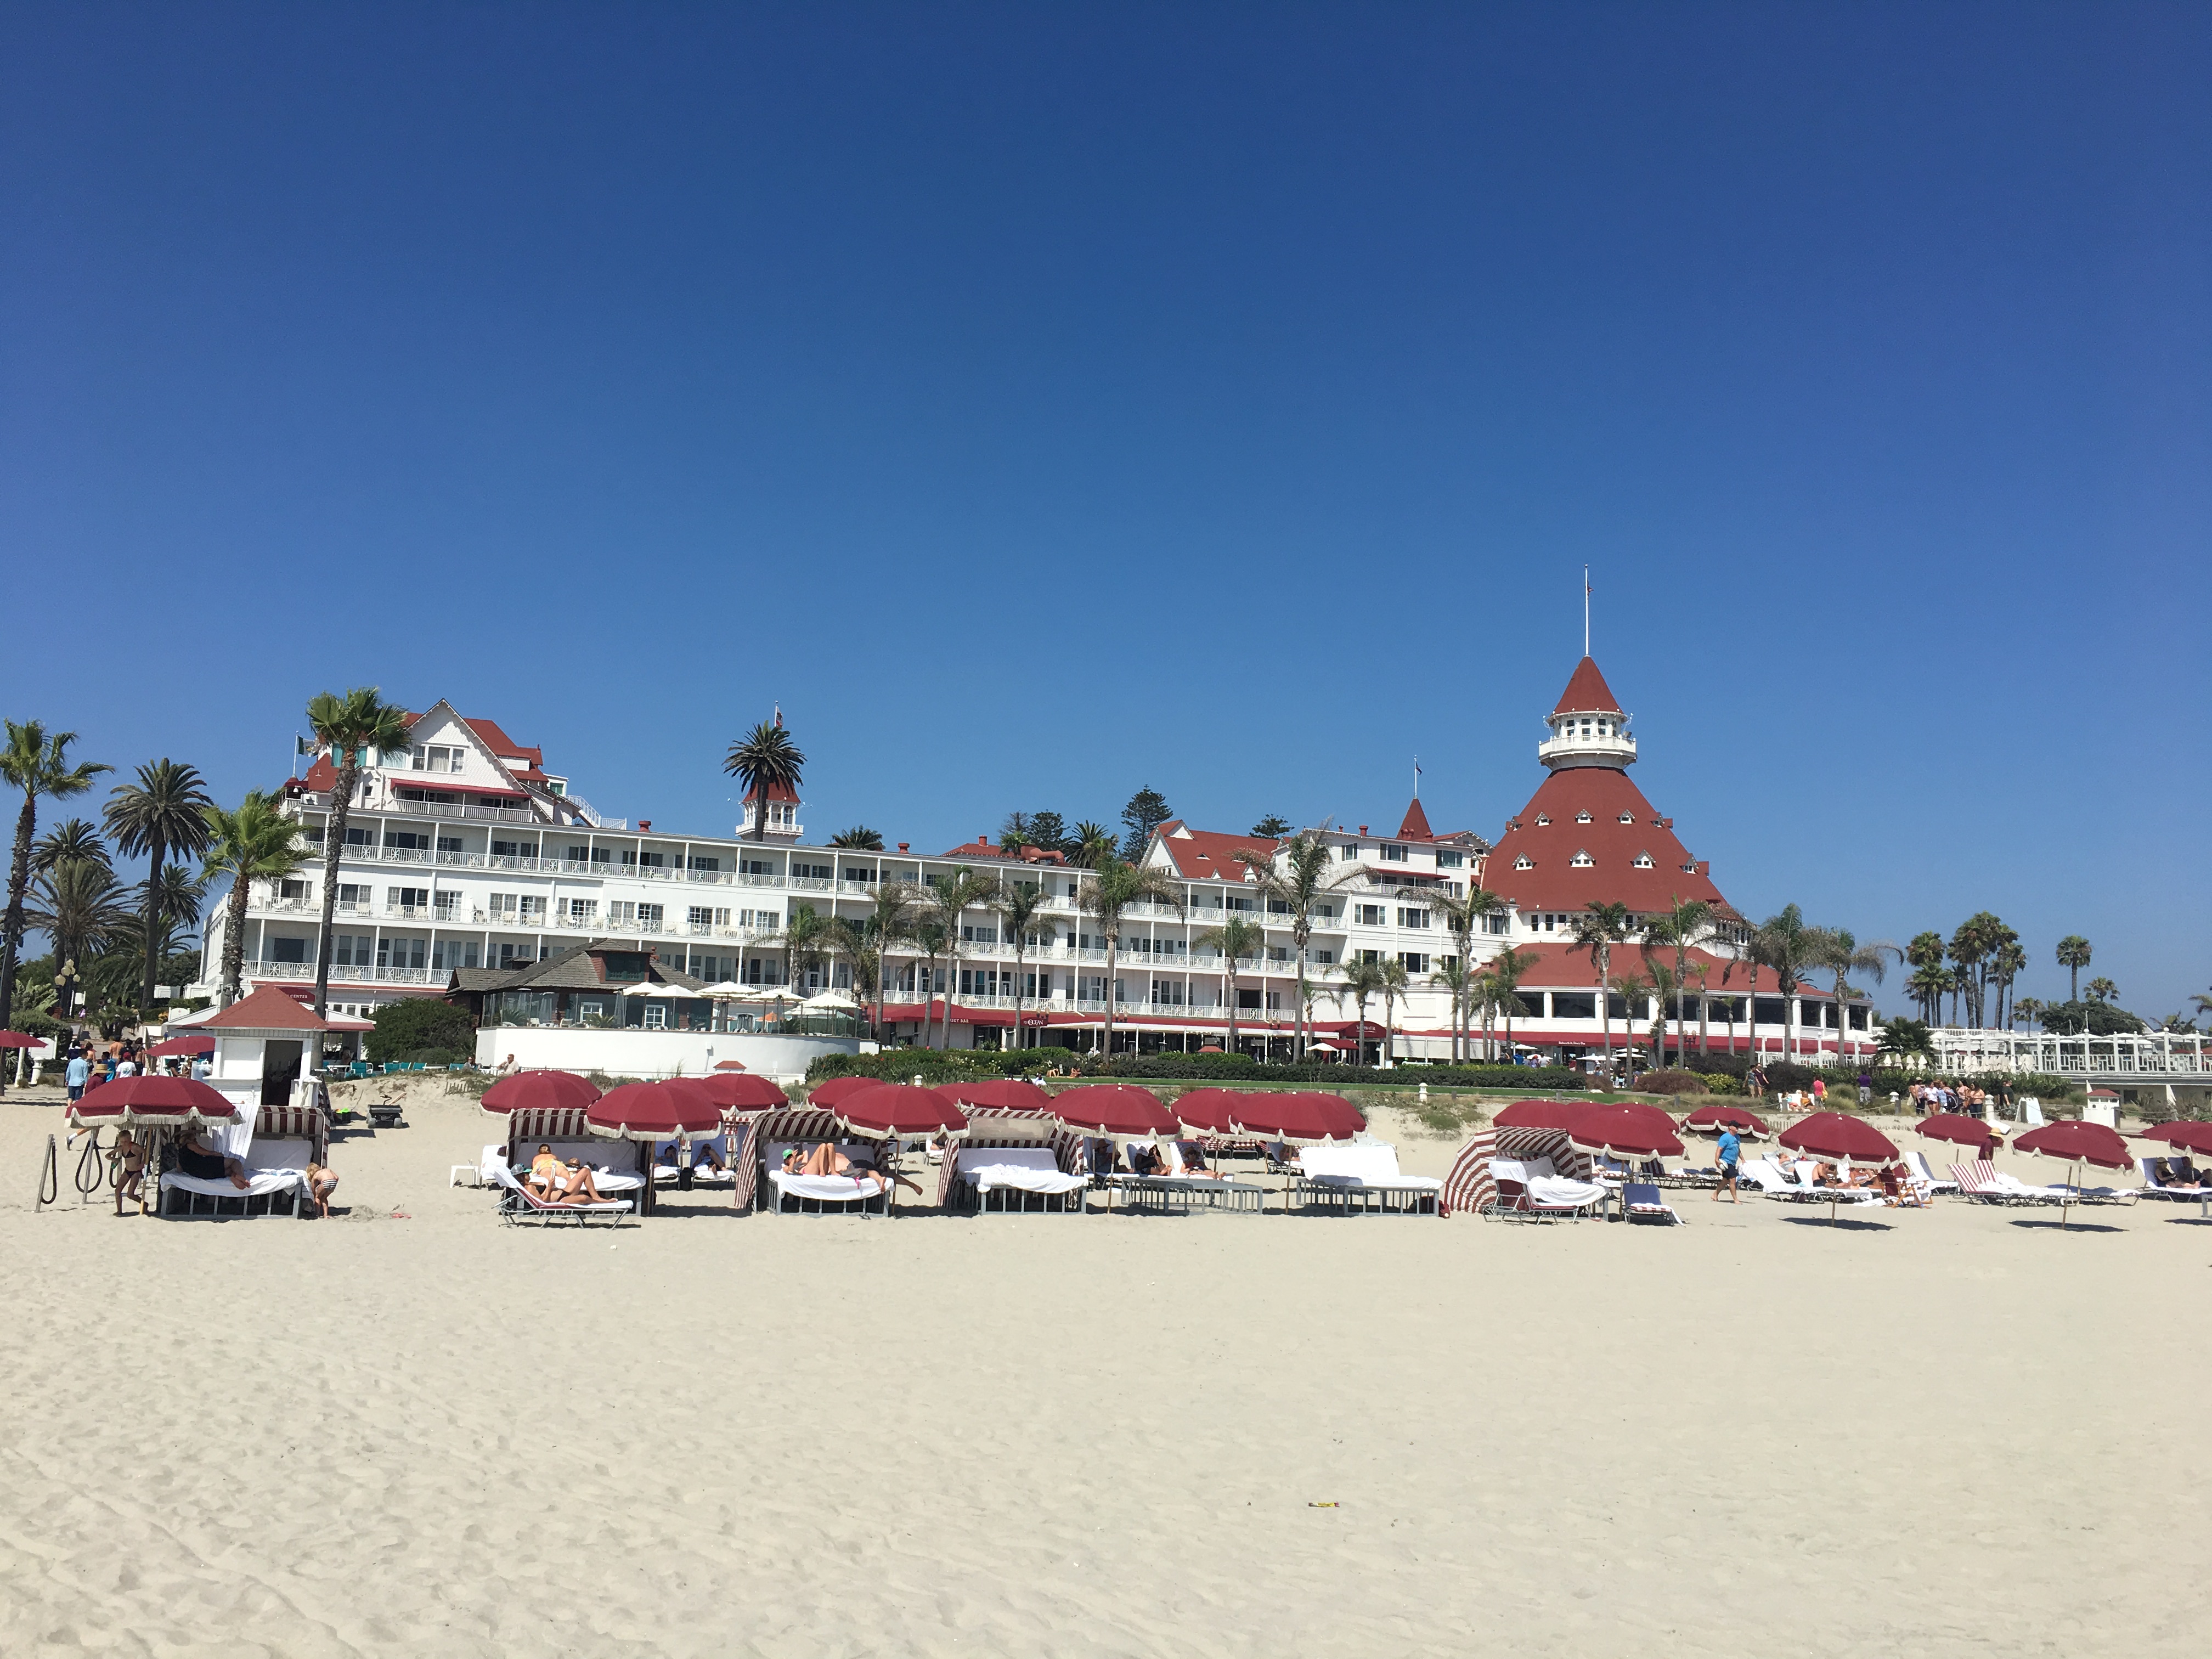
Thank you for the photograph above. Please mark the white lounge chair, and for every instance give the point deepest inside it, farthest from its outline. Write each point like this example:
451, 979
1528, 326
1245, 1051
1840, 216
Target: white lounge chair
518, 1204
275, 1171
1640, 1201
1364, 1177
1917, 1164
1017, 1174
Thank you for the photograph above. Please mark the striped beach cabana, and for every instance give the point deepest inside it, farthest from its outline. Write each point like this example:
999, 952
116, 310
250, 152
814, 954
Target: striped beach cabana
1010, 1128
1470, 1186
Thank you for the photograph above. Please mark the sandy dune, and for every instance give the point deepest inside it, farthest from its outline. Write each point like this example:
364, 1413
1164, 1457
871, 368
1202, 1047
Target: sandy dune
420, 1432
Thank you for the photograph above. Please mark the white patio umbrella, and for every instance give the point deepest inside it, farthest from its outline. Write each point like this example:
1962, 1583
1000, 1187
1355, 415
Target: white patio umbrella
830, 1002
723, 989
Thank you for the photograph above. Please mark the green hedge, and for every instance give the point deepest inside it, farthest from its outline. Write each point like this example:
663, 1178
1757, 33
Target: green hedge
420, 1026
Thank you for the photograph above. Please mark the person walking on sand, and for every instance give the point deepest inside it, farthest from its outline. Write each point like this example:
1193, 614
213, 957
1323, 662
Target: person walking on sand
78, 1074
1731, 1150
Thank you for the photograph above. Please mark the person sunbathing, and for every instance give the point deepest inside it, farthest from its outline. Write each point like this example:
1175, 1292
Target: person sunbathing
1193, 1160
1145, 1160
826, 1160
544, 1168
575, 1184
197, 1159
2174, 1172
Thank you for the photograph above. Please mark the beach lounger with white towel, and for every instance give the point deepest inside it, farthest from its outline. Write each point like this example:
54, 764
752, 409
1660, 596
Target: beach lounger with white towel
2154, 1187
1362, 1178
866, 1192
1640, 1201
1177, 1191
1980, 1182
275, 1171
519, 1206
1917, 1162
1532, 1190
1018, 1176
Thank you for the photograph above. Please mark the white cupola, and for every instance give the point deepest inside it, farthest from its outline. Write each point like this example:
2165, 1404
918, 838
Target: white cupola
1587, 727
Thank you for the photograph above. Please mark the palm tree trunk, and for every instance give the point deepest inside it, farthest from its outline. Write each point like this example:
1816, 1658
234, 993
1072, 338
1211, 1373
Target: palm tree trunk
1605, 1010
1112, 950
156, 850
234, 946
18, 883
1230, 978
334, 828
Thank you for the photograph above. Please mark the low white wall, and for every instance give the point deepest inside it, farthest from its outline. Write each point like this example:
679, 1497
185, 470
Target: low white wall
632, 1053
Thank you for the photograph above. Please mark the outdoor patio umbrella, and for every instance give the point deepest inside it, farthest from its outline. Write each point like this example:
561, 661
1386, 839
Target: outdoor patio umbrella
540, 1091
1540, 1114
1306, 1117
1114, 1109
830, 1002
1711, 1119
192, 1042
2076, 1141
1210, 1110
723, 989
1843, 1141
1657, 1116
17, 1040
149, 1102
886, 1110
1008, 1094
741, 1092
1959, 1129
1619, 1132
2183, 1136
827, 1094
675, 1109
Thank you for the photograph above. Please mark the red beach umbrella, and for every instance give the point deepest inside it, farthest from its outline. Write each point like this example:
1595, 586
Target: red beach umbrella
1843, 1141
148, 1102
17, 1040
1961, 1130
539, 1091
827, 1094
2182, 1136
1711, 1119
655, 1111
2077, 1141
1540, 1114
740, 1091
897, 1108
1114, 1109
1657, 1116
1011, 1094
1619, 1132
191, 1042
1299, 1116
1210, 1110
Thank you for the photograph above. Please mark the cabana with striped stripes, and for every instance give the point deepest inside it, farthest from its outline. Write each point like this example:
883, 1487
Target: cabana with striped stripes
1470, 1187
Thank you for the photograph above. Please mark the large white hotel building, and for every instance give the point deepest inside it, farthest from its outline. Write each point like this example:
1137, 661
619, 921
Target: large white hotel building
469, 870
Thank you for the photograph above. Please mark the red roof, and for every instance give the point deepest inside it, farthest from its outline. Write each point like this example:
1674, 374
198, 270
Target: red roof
1556, 883
1416, 825
267, 1009
775, 791
1561, 966
983, 848
1209, 855
1587, 693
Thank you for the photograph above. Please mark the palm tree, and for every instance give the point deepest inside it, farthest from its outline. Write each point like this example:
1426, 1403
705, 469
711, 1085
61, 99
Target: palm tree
1688, 924
1784, 943
2072, 955
1599, 927
80, 906
1394, 985
1020, 908
256, 843
1633, 990
74, 839
2101, 989
2202, 1002
1461, 915
161, 813
1238, 940
37, 763
1292, 880
853, 943
1092, 842
1106, 894
1835, 951
950, 899
1362, 980
349, 725
1906, 1038
1456, 977
929, 937
858, 839
1505, 974
1927, 986
1664, 986
897, 907
765, 759
176, 902
2029, 1009
2006, 964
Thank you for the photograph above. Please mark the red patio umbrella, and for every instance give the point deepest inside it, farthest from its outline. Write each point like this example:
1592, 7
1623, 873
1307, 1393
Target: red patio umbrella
17, 1040
540, 1091
897, 1108
148, 1102
1011, 1094
1843, 1141
742, 1091
1711, 1119
191, 1042
677, 1109
1960, 1129
827, 1094
1540, 1114
2076, 1141
1210, 1110
2183, 1136
1619, 1132
1114, 1109
1299, 1114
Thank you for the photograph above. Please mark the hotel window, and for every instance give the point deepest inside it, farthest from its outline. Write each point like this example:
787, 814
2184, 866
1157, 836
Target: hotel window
1279, 907
699, 916
653, 860
1410, 916
1394, 853
408, 840
500, 907
620, 913
449, 844
813, 871
1543, 818
1451, 861
404, 953
533, 910
649, 916
1278, 953
351, 949
436, 758
583, 910
448, 904
1326, 958
1368, 915
1351, 850
1524, 862
1496, 922
284, 950
1581, 860
756, 867
297, 891
1644, 861
697, 862
1581, 817
407, 898
1274, 1002
1415, 961
854, 873
578, 855
1628, 818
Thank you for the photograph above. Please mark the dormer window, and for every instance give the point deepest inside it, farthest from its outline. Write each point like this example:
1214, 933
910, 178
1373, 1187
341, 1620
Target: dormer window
1543, 818
1524, 862
1628, 818
1581, 860
1581, 817
1690, 868
1644, 861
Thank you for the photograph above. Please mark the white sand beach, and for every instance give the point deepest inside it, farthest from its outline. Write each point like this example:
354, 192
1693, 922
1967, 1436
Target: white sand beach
412, 1430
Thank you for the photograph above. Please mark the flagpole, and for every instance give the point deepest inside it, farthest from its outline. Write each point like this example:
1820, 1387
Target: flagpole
1586, 597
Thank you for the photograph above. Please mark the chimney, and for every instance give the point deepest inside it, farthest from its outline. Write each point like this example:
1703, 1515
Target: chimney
982, 840
645, 823
902, 847
1362, 828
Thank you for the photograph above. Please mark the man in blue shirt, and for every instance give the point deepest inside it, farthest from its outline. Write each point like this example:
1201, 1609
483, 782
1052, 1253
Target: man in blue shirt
79, 1069
1731, 1149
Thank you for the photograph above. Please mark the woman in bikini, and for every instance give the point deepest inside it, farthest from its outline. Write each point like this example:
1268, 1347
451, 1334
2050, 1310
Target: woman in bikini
130, 1160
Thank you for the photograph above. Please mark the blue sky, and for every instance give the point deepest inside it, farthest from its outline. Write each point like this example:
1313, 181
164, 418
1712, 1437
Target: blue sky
1040, 402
